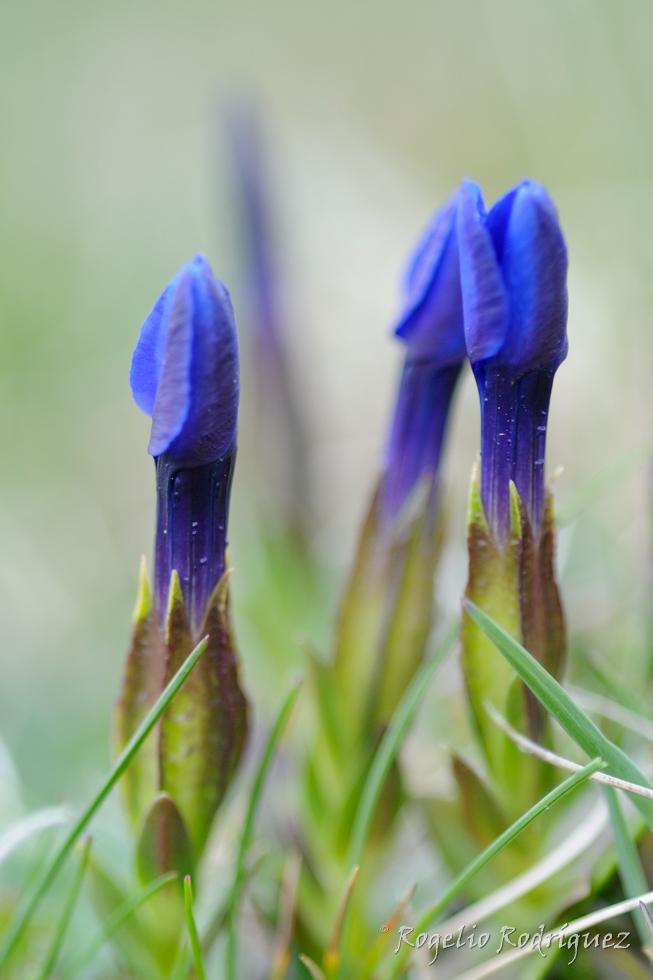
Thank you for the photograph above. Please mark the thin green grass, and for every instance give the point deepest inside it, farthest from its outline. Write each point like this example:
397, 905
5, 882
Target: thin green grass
193, 936
117, 919
390, 744
558, 703
631, 872
497, 845
384, 757
22, 919
60, 932
233, 900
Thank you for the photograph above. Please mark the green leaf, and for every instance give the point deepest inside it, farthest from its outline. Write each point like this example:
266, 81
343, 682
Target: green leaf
233, 899
513, 831
556, 700
23, 918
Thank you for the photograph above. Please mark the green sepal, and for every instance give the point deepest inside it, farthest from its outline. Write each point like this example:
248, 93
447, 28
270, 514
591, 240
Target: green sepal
203, 733
386, 612
412, 612
142, 684
493, 584
482, 814
359, 630
163, 844
515, 584
543, 623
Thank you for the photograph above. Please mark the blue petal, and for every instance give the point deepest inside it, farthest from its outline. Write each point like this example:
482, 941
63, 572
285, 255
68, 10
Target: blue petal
185, 368
535, 274
485, 303
148, 353
210, 429
431, 319
172, 402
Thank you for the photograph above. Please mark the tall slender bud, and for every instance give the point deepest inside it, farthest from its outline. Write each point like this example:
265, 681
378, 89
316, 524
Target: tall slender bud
513, 272
184, 374
387, 609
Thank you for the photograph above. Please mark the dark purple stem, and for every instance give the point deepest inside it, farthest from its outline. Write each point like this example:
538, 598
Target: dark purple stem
191, 530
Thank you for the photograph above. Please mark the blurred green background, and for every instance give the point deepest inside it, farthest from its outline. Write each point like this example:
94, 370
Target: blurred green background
113, 172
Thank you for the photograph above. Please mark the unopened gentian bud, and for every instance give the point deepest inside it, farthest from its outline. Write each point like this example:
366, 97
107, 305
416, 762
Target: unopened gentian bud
387, 609
513, 272
185, 375
431, 328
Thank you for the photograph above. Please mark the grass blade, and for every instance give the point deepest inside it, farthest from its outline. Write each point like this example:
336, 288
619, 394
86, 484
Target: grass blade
195, 944
248, 829
58, 938
559, 704
385, 755
311, 967
497, 845
21, 921
389, 746
117, 918
630, 870
28, 826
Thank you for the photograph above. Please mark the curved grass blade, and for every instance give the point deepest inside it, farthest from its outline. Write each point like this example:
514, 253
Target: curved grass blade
117, 919
497, 845
287, 911
195, 945
311, 967
563, 708
233, 899
332, 954
630, 870
389, 747
29, 825
58, 938
21, 921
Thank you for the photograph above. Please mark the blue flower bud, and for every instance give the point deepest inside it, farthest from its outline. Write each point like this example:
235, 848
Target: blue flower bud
184, 370
184, 374
513, 273
431, 328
